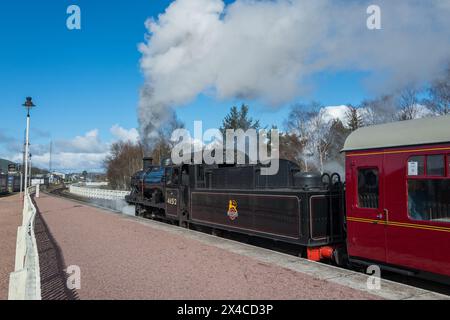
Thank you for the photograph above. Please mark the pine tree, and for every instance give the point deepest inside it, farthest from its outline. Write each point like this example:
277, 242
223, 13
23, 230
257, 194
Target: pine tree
239, 119
355, 120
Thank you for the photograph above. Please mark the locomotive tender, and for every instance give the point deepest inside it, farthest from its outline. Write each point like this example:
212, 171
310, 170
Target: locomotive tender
393, 210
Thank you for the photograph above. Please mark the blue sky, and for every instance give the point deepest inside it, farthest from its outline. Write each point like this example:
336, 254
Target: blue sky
89, 79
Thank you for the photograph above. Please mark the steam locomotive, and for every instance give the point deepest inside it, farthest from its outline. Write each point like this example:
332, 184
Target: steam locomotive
393, 210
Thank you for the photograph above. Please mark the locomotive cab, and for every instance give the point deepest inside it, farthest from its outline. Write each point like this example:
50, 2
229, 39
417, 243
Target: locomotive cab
177, 192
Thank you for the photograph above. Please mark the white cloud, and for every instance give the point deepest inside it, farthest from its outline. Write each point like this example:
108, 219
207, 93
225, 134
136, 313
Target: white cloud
121, 134
84, 152
70, 161
89, 143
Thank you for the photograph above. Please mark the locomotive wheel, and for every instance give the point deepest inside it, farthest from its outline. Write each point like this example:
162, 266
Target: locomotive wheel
137, 209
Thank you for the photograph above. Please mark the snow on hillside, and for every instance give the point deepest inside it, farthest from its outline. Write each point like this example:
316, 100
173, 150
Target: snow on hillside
335, 112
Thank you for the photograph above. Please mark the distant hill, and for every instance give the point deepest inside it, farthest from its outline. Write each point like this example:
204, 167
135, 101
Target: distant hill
4, 165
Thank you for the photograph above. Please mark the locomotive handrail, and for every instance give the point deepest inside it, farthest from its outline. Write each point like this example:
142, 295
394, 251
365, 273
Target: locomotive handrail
25, 281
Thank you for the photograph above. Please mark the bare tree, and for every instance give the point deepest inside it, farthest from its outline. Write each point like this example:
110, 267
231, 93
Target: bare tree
311, 129
124, 160
298, 125
163, 145
319, 140
408, 104
439, 95
380, 110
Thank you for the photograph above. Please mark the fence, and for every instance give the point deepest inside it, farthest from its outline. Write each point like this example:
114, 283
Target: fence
25, 281
93, 193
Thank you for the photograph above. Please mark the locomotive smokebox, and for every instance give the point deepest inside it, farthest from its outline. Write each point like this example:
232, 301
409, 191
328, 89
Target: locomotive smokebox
147, 163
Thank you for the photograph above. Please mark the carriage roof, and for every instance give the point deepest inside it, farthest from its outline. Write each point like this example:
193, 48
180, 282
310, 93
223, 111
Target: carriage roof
423, 131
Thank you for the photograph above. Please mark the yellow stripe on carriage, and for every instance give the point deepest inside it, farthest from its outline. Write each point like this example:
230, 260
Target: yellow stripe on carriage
400, 224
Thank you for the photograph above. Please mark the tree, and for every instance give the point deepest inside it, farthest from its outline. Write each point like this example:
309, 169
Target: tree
291, 148
379, 110
308, 124
439, 94
319, 140
239, 119
312, 139
337, 136
354, 117
408, 104
125, 159
162, 145
295, 142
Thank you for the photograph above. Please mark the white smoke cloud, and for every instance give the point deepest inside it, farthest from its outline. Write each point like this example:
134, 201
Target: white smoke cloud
268, 50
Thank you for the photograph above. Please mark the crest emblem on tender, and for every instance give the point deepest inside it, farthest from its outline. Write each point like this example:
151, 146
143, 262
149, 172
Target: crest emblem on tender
232, 210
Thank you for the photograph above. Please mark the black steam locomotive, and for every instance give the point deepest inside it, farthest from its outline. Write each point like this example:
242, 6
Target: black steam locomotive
294, 207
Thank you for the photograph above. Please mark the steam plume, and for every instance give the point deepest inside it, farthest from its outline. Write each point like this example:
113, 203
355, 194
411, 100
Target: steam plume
269, 50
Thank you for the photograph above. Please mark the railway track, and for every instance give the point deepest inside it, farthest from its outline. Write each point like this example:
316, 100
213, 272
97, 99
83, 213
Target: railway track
263, 243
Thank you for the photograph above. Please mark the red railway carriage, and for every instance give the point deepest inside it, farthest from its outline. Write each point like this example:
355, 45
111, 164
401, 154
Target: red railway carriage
398, 195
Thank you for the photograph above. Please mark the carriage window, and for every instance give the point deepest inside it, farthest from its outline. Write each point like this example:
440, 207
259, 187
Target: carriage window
429, 199
436, 165
416, 166
368, 188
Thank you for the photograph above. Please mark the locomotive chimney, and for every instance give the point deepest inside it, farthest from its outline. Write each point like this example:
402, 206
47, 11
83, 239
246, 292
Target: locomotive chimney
147, 163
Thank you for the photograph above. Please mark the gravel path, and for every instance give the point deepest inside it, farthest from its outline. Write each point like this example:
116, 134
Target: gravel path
120, 258
10, 219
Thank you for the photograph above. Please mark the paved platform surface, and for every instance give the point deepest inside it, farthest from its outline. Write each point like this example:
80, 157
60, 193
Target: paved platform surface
124, 257
10, 219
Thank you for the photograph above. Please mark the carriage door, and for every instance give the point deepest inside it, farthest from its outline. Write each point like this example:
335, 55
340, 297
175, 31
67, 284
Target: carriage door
366, 220
172, 191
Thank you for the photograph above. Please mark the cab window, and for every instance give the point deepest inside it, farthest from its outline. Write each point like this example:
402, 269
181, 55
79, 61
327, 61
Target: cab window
368, 188
172, 176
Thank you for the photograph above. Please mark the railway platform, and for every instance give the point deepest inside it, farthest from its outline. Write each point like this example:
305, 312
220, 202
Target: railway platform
125, 257
10, 219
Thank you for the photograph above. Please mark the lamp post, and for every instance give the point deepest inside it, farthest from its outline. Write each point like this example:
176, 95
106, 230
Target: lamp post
29, 173
28, 105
